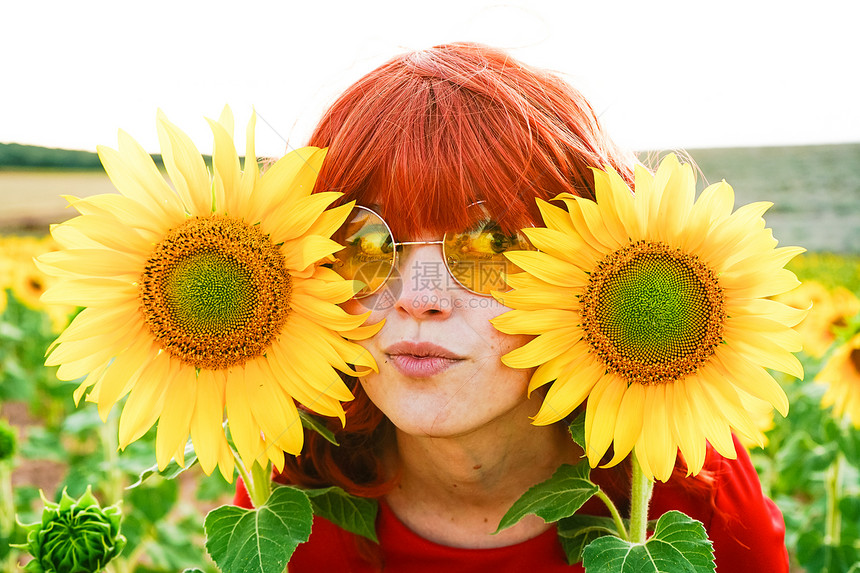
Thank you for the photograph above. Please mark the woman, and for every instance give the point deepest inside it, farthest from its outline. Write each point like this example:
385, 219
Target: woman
463, 137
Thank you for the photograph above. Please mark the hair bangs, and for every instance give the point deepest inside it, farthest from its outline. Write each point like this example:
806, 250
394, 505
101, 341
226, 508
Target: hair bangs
428, 134
430, 151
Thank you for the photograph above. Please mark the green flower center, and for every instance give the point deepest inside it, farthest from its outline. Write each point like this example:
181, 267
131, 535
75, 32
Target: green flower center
214, 292
209, 292
652, 313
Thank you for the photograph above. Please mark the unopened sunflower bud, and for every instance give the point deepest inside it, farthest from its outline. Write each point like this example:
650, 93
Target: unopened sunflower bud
75, 536
8, 441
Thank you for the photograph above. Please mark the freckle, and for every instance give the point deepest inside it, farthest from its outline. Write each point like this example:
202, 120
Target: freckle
486, 520
477, 467
453, 485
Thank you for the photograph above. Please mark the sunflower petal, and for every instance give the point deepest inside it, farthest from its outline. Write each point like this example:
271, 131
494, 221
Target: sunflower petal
571, 388
145, 401
96, 263
545, 347
556, 218
569, 248
123, 374
291, 178
274, 411
225, 164
243, 428
207, 434
300, 254
549, 269
185, 167
631, 414
175, 420
685, 429
604, 417
534, 321
656, 442
594, 398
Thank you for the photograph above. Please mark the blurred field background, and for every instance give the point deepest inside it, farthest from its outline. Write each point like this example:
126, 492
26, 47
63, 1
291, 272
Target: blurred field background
816, 196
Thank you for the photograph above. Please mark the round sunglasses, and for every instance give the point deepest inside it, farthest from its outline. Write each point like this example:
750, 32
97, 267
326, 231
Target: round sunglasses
474, 257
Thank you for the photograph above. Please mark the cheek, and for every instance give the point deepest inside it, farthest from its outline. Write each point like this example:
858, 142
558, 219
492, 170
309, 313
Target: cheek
499, 342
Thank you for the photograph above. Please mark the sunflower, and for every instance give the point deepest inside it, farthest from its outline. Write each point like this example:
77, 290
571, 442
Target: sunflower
25, 281
829, 310
841, 373
208, 298
652, 307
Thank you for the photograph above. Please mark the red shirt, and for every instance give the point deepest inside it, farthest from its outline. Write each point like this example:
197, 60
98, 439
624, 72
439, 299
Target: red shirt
746, 528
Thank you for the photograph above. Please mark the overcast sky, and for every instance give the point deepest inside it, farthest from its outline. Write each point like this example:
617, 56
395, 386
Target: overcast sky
662, 74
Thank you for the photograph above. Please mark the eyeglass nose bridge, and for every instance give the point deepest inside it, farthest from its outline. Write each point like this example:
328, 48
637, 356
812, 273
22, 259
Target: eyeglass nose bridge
413, 243
447, 260
398, 248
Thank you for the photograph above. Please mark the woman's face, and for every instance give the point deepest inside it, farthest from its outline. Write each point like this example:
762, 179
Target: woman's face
440, 372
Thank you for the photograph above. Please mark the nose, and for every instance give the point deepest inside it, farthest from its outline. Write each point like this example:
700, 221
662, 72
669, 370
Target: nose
427, 292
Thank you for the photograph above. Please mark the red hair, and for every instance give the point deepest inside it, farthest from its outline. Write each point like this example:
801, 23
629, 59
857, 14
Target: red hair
422, 137
433, 131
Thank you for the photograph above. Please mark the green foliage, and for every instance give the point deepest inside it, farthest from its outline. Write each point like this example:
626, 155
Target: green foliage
163, 529
558, 497
830, 269
797, 469
21, 157
679, 544
577, 531
171, 470
577, 430
30, 156
259, 540
354, 514
25, 333
314, 423
8, 441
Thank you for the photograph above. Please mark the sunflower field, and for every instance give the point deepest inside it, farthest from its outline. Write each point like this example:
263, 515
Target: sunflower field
55, 454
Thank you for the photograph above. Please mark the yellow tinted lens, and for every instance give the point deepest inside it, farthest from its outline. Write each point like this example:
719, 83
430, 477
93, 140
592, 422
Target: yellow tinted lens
476, 257
368, 253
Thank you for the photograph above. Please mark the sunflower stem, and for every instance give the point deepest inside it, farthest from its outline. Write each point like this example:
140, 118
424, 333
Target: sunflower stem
258, 481
640, 498
7, 511
616, 517
833, 523
113, 486
262, 477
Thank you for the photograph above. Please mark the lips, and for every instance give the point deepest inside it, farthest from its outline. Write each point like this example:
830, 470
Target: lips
421, 359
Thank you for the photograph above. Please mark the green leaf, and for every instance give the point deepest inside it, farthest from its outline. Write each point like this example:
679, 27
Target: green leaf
81, 421
311, 422
259, 540
153, 500
172, 469
354, 514
577, 531
192, 570
558, 497
577, 430
679, 545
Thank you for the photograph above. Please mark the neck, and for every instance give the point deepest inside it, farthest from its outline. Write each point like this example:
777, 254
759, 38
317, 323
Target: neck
455, 490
